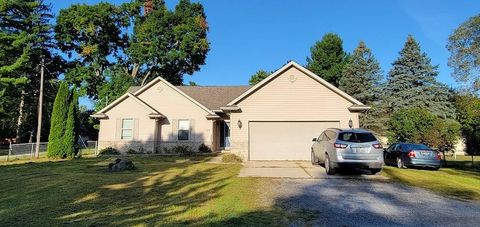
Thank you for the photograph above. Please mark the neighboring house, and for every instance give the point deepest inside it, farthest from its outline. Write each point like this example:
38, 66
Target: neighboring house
273, 120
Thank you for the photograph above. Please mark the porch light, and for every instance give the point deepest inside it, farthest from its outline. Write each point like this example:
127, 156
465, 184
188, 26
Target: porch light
239, 123
350, 123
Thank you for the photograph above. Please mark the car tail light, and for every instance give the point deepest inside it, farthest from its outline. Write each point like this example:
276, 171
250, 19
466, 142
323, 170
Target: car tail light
340, 145
438, 156
377, 146
411, 154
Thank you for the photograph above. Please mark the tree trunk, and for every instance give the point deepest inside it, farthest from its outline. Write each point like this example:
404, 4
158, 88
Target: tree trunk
20, 116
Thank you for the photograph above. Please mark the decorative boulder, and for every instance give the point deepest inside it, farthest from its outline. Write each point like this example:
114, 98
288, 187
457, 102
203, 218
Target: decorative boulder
121, 165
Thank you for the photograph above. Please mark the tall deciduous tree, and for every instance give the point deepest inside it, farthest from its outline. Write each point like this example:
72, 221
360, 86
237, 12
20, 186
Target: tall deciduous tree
258, 76
464, 46
168, 43
361, 77
328, 58
56, 144
412, 83
468, 114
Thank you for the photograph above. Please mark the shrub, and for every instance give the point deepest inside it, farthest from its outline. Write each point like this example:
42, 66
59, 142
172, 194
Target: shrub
417, 125
132, 151
204, 148
229, 157
108, 151
179, 149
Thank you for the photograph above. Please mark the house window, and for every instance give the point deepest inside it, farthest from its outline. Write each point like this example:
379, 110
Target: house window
183, 129
127, 129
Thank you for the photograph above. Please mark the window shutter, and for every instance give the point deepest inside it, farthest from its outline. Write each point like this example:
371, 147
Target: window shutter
191, 137
118, 131
136, 128
174, 130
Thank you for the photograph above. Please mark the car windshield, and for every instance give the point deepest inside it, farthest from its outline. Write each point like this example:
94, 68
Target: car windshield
356, 137
415, 147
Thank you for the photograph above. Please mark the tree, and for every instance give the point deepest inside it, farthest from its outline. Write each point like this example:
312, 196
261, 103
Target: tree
416, 125
258, 76
412, 83
328, 58
468, 114
92, 35
464, 46
362, 75
168, 43
117, 83
56, 146
70, 136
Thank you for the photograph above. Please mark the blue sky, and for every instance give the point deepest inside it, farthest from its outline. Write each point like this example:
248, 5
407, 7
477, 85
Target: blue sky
248, 35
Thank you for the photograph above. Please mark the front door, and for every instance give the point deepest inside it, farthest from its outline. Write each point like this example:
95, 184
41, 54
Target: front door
225, 135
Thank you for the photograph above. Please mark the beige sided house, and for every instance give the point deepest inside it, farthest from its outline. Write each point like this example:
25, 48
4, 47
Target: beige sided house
273, 120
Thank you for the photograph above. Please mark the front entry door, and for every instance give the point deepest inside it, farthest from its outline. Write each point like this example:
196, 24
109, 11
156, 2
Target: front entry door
225, 135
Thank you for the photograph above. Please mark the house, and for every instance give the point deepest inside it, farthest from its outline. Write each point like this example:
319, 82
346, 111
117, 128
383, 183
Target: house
274, 120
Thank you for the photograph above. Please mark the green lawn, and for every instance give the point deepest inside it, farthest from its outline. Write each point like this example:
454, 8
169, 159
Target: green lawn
459, 179
162, 191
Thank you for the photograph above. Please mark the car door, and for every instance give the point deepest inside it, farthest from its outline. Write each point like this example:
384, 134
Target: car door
321, 148
316, 146
389, 154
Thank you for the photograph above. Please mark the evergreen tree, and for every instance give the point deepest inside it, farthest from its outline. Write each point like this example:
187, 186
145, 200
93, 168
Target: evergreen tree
411, 83
328, 58
71, 126
361, 77
258, 76
56, 147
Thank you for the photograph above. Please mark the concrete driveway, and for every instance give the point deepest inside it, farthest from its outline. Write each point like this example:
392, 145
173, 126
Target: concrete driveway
296, 169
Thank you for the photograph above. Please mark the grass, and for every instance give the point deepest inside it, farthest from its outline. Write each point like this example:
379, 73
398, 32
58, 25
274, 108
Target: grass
458, 180
162, 191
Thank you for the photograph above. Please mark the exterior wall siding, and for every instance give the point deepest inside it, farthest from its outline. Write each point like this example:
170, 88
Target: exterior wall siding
292, 96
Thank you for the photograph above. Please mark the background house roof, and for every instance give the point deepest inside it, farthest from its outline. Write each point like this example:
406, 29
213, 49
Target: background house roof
212, 97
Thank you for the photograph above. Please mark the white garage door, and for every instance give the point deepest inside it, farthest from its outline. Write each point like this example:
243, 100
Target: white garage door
284, 140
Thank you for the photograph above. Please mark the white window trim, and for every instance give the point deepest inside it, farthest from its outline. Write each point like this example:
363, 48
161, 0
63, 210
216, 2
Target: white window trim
189, 129
131, 129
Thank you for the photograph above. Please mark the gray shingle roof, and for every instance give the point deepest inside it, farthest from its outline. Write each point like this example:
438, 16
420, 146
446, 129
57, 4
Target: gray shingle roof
212, 97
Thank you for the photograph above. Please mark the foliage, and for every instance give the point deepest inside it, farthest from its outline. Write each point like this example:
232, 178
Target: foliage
108, 151
328, 58
464, 46
258, 76
179, 149
116, 85
204, 148
71, 128
418, 125
412, 83
376, 118
362, 75
56, 147
87, 124
231, 158
468, 114
169, 43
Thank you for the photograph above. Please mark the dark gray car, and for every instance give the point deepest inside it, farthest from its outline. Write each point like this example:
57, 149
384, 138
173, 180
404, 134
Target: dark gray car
405, 155
338, 148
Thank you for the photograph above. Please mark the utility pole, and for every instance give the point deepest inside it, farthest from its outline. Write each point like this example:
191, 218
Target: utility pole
40, 106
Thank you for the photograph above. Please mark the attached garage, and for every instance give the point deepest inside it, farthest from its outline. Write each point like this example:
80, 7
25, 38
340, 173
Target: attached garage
284, 140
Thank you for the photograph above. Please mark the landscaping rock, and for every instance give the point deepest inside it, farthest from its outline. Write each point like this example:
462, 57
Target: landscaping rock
121, 165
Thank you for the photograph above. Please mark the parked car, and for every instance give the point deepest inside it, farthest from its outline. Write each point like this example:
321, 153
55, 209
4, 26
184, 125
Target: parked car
405, 155
338, 148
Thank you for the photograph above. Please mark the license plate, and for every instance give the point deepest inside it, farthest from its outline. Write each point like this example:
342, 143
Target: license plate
425, 153
360, 150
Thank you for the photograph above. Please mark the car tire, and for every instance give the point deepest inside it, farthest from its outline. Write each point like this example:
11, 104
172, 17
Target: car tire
435, 168
328, 166
400, 163
313, 159
375, 171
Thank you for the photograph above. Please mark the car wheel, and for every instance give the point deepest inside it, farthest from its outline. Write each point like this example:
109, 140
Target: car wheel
328, 166
435, 168
400, 163
313, 159
375, 171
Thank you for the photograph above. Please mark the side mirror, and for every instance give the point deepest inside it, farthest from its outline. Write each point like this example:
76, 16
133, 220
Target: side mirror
314, 139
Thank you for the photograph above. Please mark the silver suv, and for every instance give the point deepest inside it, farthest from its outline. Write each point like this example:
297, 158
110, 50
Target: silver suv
347, 148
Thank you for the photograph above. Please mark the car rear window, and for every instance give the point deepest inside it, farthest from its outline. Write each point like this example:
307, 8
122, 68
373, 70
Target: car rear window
355, 137
415, 147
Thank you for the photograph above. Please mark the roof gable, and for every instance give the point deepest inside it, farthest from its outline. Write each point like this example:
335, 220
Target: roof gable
125, 96
303, 70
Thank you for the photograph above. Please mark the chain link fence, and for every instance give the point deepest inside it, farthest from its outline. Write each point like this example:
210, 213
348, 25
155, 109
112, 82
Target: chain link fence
27, 150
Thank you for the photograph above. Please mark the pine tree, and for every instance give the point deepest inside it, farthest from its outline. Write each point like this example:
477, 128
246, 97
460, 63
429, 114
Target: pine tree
71, 126
412, 83
56, 147
361, 77
328, 58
